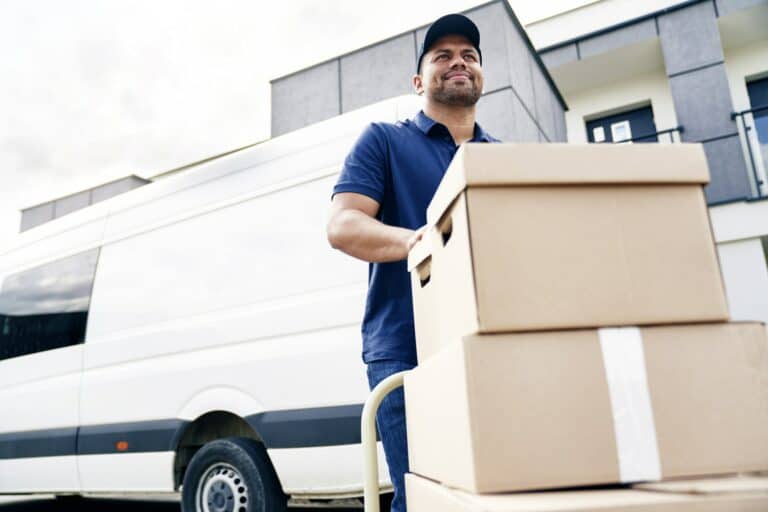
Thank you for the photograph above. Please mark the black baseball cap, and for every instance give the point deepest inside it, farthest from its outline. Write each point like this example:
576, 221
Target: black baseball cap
448, 25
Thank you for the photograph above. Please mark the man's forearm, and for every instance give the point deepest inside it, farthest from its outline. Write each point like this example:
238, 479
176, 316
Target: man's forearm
364, 237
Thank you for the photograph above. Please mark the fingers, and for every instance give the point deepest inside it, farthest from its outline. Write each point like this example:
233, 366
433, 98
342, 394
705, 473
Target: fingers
417, 236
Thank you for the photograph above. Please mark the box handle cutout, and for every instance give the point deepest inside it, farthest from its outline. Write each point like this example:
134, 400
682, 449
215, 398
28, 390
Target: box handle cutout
446, 229
425, 271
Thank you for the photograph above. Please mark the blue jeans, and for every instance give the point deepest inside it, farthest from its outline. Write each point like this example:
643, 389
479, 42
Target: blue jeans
390, 420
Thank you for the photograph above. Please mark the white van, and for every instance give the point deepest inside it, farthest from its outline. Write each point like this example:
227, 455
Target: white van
197, 333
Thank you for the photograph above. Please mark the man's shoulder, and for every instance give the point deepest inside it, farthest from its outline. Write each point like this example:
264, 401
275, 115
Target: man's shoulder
386, 129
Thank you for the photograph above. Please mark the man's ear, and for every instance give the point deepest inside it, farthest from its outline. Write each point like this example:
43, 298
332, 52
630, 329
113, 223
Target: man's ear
418, 84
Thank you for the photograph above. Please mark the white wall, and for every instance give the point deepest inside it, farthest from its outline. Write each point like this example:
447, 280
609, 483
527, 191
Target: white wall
742, 64
746, 279
589, 18
639, 90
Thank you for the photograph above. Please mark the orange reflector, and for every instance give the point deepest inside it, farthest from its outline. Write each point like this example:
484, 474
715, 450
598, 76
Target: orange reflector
121, 446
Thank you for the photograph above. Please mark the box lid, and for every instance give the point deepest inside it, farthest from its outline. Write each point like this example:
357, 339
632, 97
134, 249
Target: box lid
723, 485
493, 165
422, 491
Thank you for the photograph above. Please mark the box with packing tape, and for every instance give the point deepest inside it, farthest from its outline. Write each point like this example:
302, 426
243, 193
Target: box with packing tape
544, 410
745, 494
559, 236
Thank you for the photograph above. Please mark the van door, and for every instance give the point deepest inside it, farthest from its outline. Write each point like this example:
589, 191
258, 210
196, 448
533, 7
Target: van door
43, 318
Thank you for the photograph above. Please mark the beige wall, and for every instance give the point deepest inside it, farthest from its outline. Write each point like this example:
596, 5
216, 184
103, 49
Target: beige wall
637, 91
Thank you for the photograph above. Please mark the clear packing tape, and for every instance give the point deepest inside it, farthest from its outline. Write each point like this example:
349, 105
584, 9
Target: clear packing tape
633, 422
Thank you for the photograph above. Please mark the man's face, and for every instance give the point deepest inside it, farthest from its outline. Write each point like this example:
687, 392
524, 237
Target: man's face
451, 73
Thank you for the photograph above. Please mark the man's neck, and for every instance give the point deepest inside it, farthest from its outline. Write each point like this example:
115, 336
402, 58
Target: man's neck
460, 121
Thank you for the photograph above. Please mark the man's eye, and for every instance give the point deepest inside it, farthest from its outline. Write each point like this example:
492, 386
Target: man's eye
442, 56
471, 57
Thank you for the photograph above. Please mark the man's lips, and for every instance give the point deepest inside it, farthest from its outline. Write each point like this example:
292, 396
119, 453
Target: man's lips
457, 76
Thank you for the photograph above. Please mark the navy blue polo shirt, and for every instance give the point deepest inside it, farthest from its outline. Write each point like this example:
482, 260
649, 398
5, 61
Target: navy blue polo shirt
400, 166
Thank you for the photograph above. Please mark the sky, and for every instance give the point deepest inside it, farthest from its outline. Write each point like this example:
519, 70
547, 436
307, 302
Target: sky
95, 90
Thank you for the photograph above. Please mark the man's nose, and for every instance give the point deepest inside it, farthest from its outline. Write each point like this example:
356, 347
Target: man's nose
458, 63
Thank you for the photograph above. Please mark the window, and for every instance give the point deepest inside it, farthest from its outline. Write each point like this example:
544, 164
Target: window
46, 307
758, 98
635, 125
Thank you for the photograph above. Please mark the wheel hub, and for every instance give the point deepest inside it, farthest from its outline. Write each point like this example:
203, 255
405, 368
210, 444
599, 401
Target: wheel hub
222, 489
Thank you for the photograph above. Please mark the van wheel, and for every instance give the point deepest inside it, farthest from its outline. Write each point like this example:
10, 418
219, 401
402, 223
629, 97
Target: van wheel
232, 475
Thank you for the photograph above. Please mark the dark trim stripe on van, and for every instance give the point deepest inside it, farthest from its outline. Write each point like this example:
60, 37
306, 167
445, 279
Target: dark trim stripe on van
39, 443
295, 428
303, 428
140, 436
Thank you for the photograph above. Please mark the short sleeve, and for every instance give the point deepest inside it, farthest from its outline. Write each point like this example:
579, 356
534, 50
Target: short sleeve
365, 168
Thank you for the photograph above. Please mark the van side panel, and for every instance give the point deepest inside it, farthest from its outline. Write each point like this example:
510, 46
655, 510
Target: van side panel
38, 421
45, 282
248, 297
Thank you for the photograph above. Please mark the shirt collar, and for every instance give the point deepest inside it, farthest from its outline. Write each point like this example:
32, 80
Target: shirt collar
426, 124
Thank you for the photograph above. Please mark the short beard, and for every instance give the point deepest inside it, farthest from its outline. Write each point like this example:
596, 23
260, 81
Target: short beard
456, 97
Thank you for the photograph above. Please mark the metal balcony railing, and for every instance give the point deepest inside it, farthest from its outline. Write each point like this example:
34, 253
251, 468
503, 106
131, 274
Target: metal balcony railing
671, 135
753, 131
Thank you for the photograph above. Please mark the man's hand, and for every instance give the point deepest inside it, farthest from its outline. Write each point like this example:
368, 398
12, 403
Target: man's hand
353, 229
416, 238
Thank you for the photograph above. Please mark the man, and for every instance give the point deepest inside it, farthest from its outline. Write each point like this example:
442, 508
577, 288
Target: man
380, 201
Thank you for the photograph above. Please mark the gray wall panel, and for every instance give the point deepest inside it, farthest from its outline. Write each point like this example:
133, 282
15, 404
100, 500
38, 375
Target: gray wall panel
703, 103
37, 215
306, 97
491, 21
619, 38
69, 204
504, 117
727, 169
116, 187
561, 130
377, 73
690, 38
559, 56
545, 104
521, 65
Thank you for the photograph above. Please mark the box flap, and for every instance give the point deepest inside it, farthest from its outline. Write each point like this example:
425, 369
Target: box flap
488, 165
420, 252
724, 485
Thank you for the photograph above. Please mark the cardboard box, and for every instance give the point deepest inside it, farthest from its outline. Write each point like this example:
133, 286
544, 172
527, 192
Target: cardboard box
559, 236
745, 494
544, 410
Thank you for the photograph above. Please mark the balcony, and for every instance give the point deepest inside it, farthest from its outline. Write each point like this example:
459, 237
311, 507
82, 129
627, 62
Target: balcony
669, 136
753, 132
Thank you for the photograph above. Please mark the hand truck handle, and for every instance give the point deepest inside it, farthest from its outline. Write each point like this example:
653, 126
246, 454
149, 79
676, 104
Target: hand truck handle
368, 439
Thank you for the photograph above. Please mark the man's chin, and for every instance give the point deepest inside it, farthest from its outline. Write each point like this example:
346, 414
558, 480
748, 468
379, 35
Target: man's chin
465, 97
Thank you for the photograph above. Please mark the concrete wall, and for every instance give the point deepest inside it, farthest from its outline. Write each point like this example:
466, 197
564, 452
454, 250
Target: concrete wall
519, 101
695, 65
42, 213
688, 36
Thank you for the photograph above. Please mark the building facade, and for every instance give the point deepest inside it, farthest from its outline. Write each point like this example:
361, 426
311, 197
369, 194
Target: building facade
671, 71
606, 71
520, 101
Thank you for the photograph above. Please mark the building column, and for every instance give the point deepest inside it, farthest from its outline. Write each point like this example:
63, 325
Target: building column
695, 66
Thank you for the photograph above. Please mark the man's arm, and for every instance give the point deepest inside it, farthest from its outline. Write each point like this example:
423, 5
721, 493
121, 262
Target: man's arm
353, 229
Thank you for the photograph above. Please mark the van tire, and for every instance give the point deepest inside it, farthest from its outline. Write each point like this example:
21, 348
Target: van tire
232, 475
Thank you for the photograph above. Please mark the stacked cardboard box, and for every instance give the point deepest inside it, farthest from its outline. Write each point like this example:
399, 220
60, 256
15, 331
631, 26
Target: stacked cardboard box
571, 325
715, 495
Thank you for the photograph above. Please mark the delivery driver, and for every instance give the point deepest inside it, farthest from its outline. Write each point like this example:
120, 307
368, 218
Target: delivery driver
380, 201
